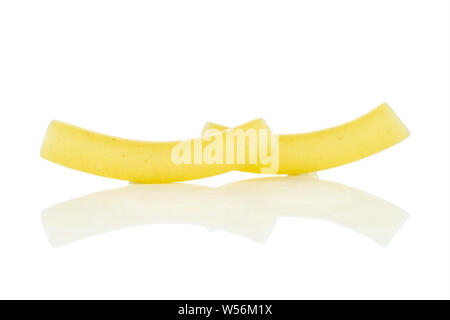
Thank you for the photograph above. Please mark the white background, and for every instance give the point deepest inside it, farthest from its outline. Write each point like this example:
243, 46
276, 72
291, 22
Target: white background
158, 70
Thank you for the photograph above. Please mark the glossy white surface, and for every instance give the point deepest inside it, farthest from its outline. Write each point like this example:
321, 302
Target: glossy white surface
158, 70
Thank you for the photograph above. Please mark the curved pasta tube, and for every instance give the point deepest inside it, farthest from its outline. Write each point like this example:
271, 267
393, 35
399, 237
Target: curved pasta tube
319, 150
137, 161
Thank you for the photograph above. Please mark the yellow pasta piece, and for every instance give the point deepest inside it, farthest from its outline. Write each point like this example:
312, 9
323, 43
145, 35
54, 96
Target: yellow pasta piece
138, 161
160, 162
319, 150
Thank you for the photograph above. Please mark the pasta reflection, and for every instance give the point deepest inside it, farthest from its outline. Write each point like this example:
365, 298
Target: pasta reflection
249, 208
